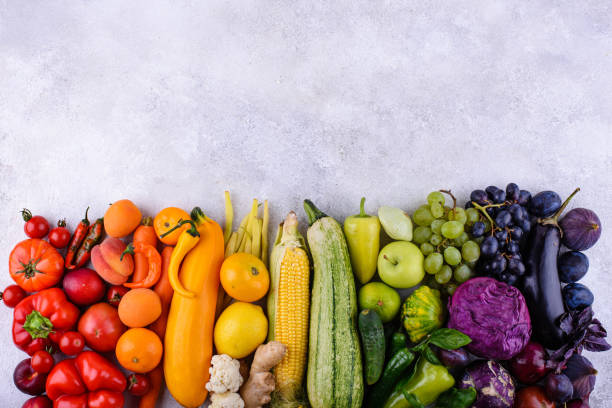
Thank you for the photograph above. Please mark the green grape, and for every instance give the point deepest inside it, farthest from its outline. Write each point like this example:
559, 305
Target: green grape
472, 215
451, 288
461, 239
478, 240
470, 251
472, 265
451, 229
426, 248
435, 197
444, 275
452, 256
421, 234
435, 239
436, 225
457, 214
437, 210
422, 216
433, 262
487, 225
462, 273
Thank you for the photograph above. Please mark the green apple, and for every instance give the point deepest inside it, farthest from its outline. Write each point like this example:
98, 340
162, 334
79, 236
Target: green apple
400, 264
381, 298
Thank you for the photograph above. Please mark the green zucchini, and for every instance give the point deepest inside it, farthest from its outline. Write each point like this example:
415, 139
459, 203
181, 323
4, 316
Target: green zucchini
398, 364
335, 376
373, 342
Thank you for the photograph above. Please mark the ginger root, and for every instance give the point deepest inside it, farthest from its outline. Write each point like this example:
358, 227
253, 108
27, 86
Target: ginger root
256, 391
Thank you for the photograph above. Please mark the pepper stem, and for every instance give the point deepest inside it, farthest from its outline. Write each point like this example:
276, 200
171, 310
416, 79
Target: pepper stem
312, 212
193, 231
37, 325
198, 215
362, 212
128, 250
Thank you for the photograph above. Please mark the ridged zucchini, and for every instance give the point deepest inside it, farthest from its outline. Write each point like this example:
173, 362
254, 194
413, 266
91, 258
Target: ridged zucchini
335, 375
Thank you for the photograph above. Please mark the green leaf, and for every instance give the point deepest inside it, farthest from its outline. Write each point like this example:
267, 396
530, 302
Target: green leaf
412, 400
431, 356
449, 339
457, 398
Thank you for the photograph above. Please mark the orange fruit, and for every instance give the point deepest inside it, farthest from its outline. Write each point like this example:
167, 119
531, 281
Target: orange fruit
167, 219
139, 307
139, 350
244, 277
121, 218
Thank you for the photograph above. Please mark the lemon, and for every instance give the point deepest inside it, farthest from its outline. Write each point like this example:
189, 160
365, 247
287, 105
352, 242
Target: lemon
240, 329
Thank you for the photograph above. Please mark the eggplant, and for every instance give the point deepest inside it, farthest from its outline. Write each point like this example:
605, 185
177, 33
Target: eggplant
541, 285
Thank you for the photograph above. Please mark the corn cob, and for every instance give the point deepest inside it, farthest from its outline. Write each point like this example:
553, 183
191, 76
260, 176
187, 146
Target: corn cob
288, 310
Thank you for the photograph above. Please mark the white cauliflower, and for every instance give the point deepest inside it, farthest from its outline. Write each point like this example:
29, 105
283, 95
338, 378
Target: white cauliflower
226, 400
224, 375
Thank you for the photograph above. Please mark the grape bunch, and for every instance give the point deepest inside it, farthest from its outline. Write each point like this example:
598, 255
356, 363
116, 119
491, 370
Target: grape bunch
443, 235
502, 231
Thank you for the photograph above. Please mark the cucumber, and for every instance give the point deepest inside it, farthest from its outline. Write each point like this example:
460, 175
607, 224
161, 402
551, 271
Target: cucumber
398, 364
373, 342
335, 376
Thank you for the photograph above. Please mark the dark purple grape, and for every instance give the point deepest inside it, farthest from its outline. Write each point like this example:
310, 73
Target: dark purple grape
524, 197
525, 226
516, 211
457, 358
516, 265
478, 229
516, 233
468, 205
496, 194
558, 387
503, 218
502, 236
499, 264
573, 265
505, 276
489, 247
512, 247
479, 196
492, 211
544, 204
512, 192
485, 267
511, 280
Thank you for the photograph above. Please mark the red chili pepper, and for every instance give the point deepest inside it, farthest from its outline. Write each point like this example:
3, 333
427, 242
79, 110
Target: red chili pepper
155, 264
89, 380
41, 319
77, 240
94, 236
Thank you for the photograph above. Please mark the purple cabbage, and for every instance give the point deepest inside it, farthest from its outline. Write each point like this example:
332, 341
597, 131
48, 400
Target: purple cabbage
493, 383
493, 314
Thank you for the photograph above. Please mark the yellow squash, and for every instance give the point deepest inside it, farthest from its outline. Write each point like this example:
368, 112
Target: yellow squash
189, 335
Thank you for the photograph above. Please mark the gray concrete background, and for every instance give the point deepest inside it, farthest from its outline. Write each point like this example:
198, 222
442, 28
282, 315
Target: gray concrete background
170, 103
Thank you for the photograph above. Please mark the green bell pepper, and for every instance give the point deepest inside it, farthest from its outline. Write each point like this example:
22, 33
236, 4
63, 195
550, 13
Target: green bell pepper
362, 233
426, 383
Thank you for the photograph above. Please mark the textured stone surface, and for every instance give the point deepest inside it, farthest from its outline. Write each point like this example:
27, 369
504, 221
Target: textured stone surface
172, 104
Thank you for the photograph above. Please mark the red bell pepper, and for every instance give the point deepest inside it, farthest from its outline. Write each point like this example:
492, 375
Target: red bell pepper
40, 320
87, 381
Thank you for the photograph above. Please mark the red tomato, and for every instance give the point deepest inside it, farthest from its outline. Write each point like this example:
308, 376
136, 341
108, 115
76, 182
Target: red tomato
532, 397
38, 402
35, 265
12, 295
115, 293
83, 286
35, 226
59, 236
138, 384
101, 327
42, 362
72, 343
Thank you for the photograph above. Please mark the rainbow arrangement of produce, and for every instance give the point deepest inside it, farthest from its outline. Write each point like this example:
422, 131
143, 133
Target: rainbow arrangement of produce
451, 306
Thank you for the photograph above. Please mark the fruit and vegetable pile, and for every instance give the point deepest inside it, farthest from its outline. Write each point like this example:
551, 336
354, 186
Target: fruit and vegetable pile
471, 306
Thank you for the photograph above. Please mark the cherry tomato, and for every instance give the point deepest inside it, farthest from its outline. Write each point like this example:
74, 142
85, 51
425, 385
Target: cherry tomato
72, 343
42, 362
38, 402
12, 295
138, 384
35, 226
59, 236
115, 293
